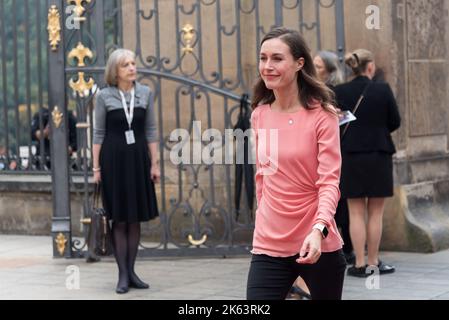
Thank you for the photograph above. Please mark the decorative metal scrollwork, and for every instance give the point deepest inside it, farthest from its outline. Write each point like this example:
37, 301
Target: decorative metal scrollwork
204, 62
61, 242
54, 27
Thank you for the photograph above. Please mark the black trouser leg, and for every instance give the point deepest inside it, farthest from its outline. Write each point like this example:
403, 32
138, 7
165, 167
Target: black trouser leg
271, 278
325, 278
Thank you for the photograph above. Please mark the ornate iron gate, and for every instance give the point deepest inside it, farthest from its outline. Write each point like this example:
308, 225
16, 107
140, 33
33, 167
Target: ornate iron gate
198, 57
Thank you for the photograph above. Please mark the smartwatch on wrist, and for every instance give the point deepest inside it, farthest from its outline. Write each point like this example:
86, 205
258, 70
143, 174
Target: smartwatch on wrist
322, 228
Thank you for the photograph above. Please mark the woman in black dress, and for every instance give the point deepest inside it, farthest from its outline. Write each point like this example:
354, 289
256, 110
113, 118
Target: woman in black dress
367, 149
125, 160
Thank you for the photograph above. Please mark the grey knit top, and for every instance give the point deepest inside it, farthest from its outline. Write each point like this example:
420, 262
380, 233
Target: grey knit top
109, 99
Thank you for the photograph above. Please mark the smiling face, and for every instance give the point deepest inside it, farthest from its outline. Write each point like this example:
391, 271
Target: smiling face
277, 66
126, 70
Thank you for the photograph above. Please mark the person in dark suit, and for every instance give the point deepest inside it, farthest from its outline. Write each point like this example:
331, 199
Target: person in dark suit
367, 149
42, 135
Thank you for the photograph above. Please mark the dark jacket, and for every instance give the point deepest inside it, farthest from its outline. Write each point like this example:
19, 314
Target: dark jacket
377, 116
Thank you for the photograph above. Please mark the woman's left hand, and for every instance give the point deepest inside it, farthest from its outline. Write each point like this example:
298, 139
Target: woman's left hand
311, 247
155, 172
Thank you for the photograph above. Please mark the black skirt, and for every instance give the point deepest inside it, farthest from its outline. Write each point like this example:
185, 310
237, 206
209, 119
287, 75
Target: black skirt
366, 174
127, 189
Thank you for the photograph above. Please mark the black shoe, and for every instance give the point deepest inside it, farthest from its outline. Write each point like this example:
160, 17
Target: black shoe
122, 285
121, 290
385, 268
136, 283
359, 272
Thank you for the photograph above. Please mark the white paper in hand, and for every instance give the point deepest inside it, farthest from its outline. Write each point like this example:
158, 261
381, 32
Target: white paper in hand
345, 117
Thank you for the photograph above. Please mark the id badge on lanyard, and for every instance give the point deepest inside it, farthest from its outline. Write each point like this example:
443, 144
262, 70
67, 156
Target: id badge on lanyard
129, 134
130, 137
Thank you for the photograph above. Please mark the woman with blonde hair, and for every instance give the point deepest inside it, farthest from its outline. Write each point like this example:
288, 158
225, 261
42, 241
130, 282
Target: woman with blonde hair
367, 149
125, 160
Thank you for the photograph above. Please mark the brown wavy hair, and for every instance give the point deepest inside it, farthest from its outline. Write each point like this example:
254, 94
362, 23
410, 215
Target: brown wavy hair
310, 88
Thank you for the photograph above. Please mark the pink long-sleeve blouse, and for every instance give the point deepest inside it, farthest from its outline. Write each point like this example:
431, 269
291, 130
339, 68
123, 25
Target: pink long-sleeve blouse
297, 178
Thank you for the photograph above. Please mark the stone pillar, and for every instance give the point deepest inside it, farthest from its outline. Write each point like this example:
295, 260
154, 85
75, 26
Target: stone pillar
423, 171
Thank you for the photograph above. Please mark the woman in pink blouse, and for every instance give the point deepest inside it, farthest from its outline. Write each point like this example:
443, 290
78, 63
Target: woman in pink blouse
297, 178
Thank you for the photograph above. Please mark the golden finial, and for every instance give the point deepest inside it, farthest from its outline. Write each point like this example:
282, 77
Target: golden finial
54, 27
61, 241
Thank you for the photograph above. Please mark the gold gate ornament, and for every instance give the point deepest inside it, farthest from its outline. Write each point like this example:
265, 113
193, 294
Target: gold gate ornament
79, 9
188, 33
80, 53
54, 27
61, 241
197, 242
57, 116
81, 85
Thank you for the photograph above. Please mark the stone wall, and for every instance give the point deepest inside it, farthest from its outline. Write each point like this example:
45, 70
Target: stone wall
26, 205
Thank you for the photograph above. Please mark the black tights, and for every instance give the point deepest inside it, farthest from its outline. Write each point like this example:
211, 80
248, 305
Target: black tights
126, 244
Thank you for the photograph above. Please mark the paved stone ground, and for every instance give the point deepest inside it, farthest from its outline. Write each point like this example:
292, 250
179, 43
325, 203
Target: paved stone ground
27, 271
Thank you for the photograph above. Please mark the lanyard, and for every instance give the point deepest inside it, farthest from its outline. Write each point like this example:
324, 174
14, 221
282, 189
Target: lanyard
129, 115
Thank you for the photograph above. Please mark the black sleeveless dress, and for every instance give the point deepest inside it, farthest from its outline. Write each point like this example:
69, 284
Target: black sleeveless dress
128, 191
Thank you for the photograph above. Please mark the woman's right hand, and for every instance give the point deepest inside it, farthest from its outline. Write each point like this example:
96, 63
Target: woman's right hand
97, 176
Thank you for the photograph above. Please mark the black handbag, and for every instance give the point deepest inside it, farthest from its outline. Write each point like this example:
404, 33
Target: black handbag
100, 237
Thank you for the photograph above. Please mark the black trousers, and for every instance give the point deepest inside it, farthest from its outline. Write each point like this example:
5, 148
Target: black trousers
271, 278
